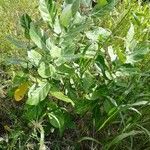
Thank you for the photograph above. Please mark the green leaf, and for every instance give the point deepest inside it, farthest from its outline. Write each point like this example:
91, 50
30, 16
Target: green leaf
54, 120
47, 10
25, 23
34, 57
129, 38
130, 34
121, 137
100, 10
38, 93
46, 70
65, 69
75, 7
138, 53
120, 55
102, 2
111, 53
97, 34
61, 96
57, 118
55, 51
101, 66
57, 27
36, 36
115, 112
66, 15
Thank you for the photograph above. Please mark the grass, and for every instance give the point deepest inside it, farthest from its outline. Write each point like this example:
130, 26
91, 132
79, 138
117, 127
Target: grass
10, 13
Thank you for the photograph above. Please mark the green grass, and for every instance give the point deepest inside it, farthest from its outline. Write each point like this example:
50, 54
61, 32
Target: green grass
10, 12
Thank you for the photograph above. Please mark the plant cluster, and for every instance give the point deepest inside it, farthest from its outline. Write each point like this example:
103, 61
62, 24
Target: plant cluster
81, 84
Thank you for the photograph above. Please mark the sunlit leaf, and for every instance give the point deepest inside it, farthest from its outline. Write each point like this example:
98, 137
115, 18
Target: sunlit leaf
34, 57
46, 70
59, 95
36, 36
66, 15
102, 2
38, 93
44, 10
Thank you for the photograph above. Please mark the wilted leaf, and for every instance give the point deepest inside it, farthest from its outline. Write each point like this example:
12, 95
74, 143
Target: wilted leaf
20, 92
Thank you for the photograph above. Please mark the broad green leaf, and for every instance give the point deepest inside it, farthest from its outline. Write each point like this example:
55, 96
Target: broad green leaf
87, 80
99, 92
38, 93
59, 95
138, 53
55, 51
97, 34
34, 57
130, 33
129, 37
66, 15
120, 55
65, 69
25, 23
46, 70
111, 53
47, 10
91, 50
56, 119
101, 66
57, 27
32, 112
36, 36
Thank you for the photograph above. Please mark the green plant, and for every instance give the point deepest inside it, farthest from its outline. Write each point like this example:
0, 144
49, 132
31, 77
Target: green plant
77, 69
